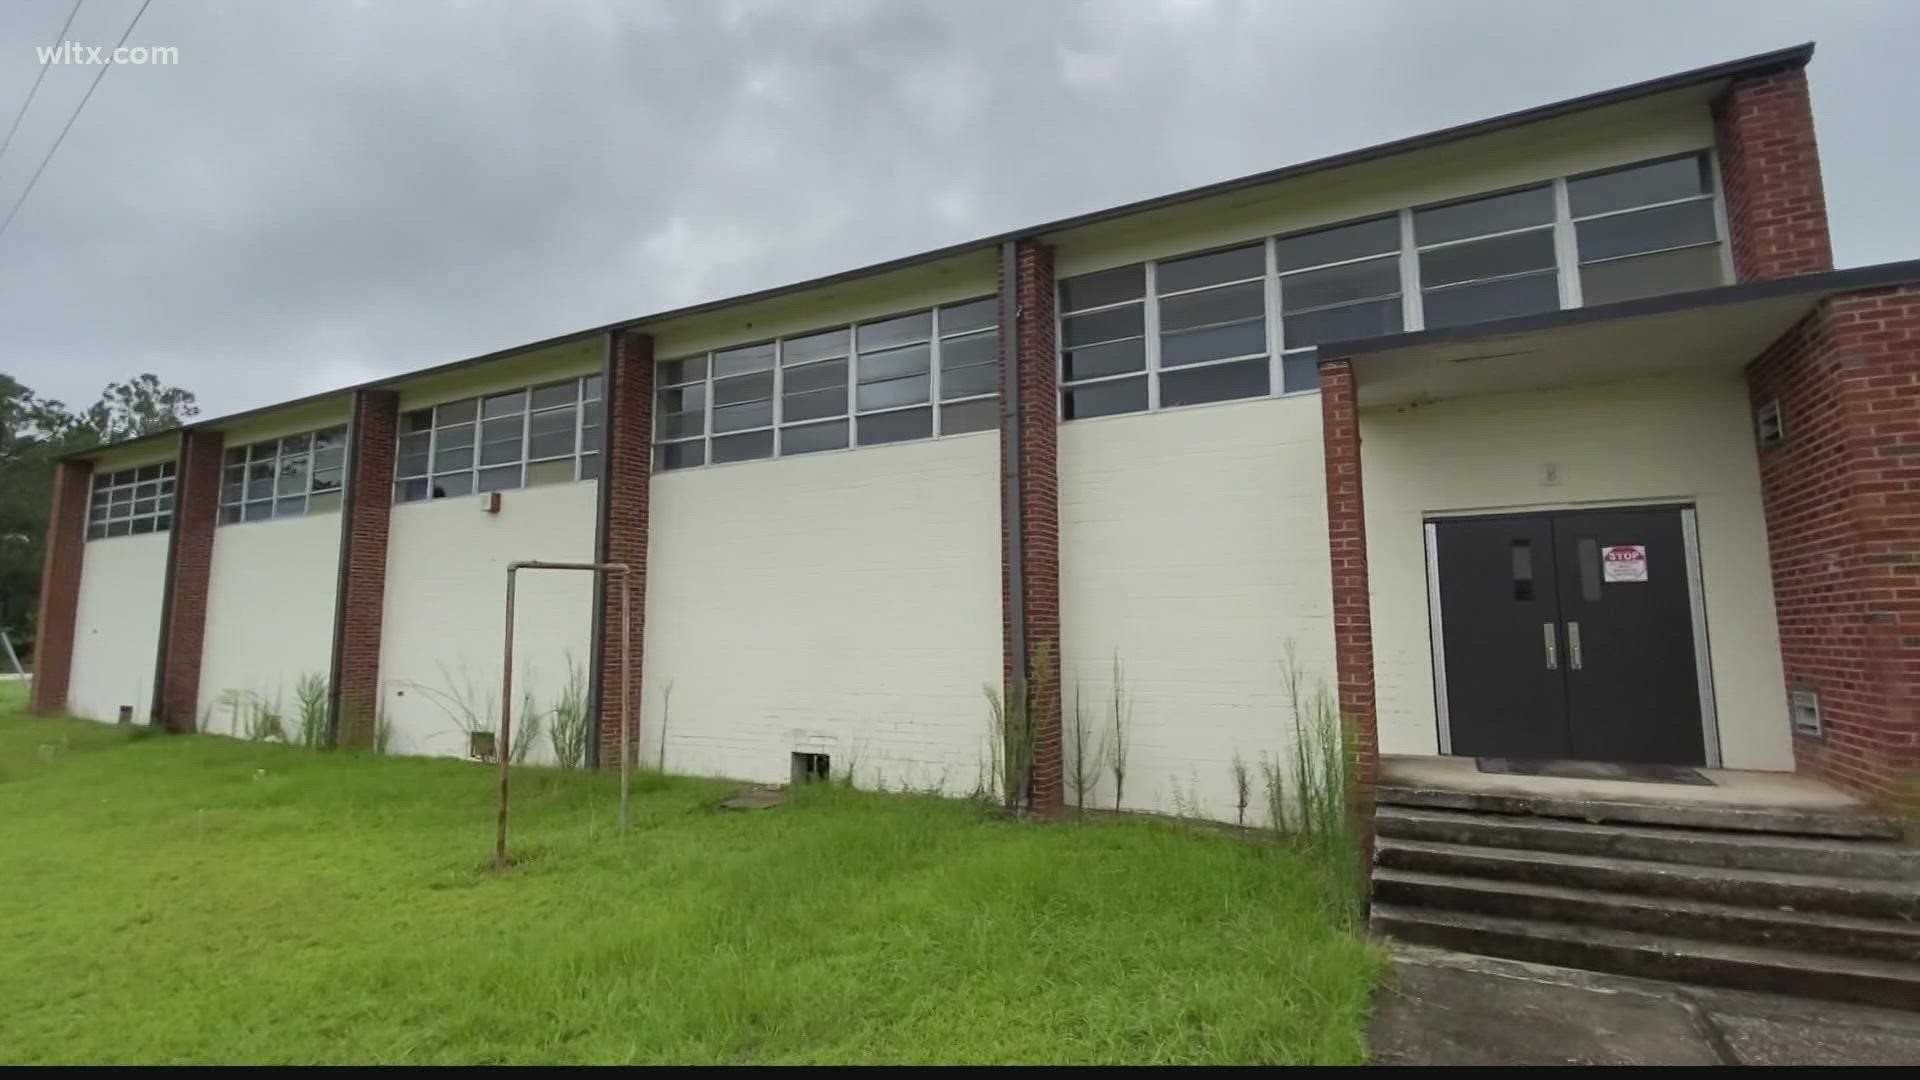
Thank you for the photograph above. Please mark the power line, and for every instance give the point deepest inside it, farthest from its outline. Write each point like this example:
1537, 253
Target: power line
62, 137
37, 79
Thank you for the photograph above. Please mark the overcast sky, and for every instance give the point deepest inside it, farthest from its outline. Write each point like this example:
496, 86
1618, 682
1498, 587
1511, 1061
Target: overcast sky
323, 192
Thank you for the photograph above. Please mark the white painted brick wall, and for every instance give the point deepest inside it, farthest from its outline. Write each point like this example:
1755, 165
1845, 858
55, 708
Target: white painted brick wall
846, 603
445, 608
269, 612
116, 634
1193, 543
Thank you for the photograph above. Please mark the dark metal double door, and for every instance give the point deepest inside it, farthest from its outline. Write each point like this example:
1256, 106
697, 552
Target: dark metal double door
1570, 635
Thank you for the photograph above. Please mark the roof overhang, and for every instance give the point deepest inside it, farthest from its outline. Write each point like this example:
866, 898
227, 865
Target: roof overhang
1711, 329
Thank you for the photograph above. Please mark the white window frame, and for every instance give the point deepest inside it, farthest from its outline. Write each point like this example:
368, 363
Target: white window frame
100, 518
1567, 266
279, 443
580, 453
852, 417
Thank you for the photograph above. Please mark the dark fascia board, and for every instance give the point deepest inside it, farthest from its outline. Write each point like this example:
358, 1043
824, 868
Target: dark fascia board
1824, 284
1792, 57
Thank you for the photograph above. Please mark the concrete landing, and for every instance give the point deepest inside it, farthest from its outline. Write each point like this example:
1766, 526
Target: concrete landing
1447, 1008
1729, 787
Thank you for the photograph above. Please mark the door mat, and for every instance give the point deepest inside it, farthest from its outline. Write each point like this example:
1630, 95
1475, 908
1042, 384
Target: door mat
1594, 770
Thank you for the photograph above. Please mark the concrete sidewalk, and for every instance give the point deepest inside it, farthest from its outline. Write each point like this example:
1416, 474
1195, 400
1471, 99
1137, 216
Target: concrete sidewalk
1447, 1008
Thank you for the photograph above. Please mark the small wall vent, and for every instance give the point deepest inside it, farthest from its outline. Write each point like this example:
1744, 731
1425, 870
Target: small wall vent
810, 768
1806, 711
1767, 422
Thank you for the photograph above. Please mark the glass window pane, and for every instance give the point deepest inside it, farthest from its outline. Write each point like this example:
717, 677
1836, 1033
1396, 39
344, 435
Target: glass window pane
448, 438
1477, 217
815, 405
235, 456
1651, 275
541, 473
231, 483
1213, 343
1484, 259
499, 479
142, 525
1492, 300
669, 426
449, 458
969, 416
228, 515
750, 447
1114, 358
293, 476
590, 387
968, 351
260, 478
682, 399
1221, 382
148, 472
801, 350
1639, 185
741, 417
888, 333
811, 437
143, 507
503, 429
564, 393
1375, 236
417, 420
293, 507
329, 459
333, 438
552, 422
1102, 326
590, 414
296, 444
499, 453
1371, 280
323, 502
453, 485
1103, 399
1351, 323
896, 427
327, 479
454, 412
969, 382
1215, 268
505, 404
550, 445
410, 490
1230, 304
912, 390
122, 528
589, 466
1647, 230
679, 455
743, 360
912, 360
670, 373
1103, 288
978, 315
413, 455
258, 511
265, 451
828, 375
1301, 371
742, 389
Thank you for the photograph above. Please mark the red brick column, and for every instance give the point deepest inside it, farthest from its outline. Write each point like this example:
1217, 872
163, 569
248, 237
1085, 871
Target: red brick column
1352, 610
60, 586
626, 471
183, 632
1842, 498
1034, 440
1770, 173
360, 606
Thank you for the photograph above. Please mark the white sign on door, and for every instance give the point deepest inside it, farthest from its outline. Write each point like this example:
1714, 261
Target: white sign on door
1624, 562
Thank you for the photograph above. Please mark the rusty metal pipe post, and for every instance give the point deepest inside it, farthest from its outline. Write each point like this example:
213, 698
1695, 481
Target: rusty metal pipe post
626, 696
504, 739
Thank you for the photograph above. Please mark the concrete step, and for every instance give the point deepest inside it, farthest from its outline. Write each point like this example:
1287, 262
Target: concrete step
1830, 856
1743, 888
1690, 815
1841, 935
1747, 967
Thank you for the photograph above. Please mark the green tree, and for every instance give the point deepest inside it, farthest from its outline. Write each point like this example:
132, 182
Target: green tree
34, 431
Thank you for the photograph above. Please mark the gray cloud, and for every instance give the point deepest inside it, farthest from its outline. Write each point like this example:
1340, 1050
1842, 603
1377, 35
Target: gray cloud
321, 193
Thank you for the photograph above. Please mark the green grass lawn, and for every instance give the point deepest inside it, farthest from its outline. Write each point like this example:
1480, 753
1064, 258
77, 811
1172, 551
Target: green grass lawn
198, 899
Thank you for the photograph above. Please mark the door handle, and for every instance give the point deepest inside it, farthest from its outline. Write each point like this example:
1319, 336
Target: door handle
1573, 645
1553, 646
